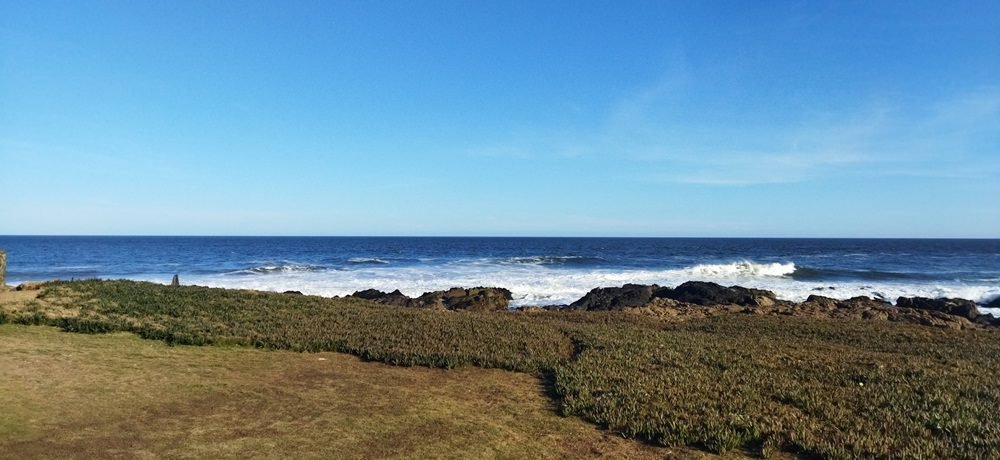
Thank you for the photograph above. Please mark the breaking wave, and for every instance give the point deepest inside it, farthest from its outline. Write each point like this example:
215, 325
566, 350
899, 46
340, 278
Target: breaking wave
550, 281
742, 269
287, 267
555, 260
367, 261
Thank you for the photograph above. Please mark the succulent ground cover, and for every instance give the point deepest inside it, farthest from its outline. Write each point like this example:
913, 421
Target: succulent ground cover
833, 389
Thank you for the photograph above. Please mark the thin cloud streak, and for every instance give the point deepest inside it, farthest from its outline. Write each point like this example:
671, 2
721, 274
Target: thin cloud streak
878, 140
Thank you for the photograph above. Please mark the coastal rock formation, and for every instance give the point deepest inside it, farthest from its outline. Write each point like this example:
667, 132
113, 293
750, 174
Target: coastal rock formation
394, 298
697, 299
987, 320
995, 303
858, 308
617, 298
862, 302
707, 294
959, 307
822, 303
475, 299
693, 292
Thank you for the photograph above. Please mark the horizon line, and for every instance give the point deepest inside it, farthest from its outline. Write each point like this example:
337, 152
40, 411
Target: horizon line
502, 236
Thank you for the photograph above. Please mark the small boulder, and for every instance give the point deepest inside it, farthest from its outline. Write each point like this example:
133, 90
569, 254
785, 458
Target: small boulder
708, 294
958, 307
821, 302
477, 299
616, 298
394, 298
293, 292
433, 300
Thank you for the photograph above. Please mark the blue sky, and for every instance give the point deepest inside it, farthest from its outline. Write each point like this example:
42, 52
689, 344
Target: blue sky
825, 119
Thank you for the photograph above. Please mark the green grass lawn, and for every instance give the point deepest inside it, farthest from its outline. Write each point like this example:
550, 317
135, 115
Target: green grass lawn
772, 384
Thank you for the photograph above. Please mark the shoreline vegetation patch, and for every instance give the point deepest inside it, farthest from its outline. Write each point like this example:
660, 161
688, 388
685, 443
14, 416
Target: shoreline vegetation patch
811, 386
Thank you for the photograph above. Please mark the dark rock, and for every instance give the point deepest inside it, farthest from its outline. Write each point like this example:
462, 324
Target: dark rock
862, 302
615, 298
708, 294
987, 320
369, 294
958, 307
293, 292
477, 299
433, 300
661, 292
394, 298
176, 281
995, 303
821, 302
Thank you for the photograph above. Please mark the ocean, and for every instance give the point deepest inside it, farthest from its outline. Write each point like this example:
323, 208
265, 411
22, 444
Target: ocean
538, 271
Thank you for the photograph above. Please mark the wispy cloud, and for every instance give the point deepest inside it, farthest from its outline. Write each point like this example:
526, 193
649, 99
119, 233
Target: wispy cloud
957, 136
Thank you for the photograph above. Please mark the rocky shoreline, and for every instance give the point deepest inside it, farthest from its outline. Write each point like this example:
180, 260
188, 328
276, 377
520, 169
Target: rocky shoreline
695, 299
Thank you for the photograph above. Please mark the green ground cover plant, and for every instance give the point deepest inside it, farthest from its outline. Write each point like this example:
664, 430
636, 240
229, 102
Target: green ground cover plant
831, 389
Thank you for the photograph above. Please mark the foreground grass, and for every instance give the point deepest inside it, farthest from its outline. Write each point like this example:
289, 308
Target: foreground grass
115, 395
828, 388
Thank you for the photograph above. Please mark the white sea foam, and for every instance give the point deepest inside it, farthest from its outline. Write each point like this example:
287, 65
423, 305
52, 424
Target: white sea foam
277, 268
740, 270
366, 260
533, 284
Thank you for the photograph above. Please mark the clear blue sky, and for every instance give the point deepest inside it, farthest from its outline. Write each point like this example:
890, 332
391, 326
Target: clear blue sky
610, 118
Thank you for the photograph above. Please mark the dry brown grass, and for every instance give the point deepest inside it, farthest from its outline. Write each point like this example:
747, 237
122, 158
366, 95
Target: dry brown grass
87, 396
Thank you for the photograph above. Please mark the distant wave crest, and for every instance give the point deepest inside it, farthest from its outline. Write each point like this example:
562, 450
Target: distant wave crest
743, 269
367, 261
287, 267
554, 260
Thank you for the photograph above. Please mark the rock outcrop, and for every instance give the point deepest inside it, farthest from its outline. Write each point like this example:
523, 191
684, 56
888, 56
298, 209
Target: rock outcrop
707, 294
475, 299
958, 307
394, 298
617, 298
698, 299
862, 302
693, 292
857, 308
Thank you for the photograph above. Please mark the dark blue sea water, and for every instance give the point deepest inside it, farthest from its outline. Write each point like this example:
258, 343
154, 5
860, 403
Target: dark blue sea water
537, 270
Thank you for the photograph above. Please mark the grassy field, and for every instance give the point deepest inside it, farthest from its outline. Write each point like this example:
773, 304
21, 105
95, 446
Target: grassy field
734, 383
115, 395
